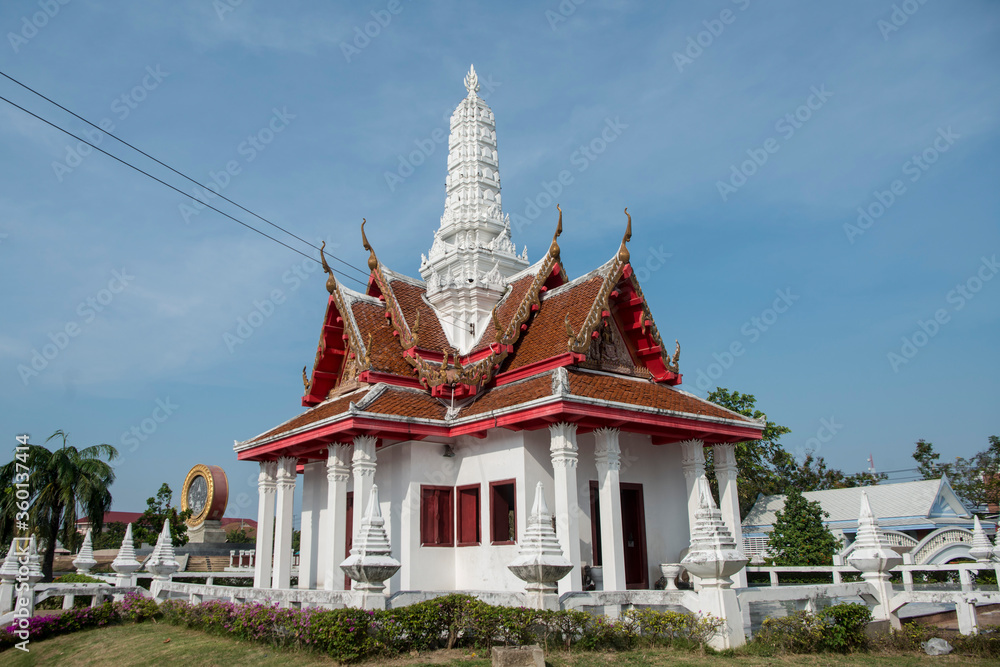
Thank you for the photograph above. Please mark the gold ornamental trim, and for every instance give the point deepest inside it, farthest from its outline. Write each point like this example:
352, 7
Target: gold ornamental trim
200, 470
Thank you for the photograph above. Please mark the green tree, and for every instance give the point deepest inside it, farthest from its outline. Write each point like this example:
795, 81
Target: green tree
60, 485
799, 536
976, 480
111, 537
158, 509
238, 535
812, 474
763, 464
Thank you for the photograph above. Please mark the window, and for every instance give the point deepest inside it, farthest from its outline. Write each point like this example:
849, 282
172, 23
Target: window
503, 512
468, 515
436, 514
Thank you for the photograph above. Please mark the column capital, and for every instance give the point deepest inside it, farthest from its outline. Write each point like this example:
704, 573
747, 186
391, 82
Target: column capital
338, 466
364, 455
286, 472
266, 477
608, 450
724, 457
562, 446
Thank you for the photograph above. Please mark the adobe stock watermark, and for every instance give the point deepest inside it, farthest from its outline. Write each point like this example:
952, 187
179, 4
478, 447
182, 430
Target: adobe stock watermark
363, 35
425, 147
697, 43
581, 159
786, 126
915, 167
223, 7
957, 298
122, 107
751, 330
31, 25
87, 310
247, 151
898, 17
144, 430
264, 309
828, 429
562, 12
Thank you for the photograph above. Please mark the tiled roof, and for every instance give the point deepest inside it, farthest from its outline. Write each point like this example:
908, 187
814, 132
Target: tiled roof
902, 500
312, 415
385, 353
509, 395
645, 393
506, 309
410, 299
546, 336
407, 403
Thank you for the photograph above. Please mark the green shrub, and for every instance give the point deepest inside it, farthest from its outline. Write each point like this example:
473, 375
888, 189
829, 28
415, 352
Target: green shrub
984, 645
840, 628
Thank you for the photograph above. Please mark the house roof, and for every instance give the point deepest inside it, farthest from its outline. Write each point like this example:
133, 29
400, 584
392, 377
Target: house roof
914, 505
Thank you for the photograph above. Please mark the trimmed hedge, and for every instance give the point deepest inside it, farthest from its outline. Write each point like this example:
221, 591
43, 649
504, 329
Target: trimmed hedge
838, 629
446, 622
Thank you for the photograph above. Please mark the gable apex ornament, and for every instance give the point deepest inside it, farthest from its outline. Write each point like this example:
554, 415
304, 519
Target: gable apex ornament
623, 254
372, 259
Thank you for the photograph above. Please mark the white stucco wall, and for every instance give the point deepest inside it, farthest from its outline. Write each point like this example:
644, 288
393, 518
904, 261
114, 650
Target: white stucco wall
524, 457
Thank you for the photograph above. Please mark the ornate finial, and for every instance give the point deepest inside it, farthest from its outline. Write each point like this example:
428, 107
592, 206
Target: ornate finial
372, 259
305, 379
554, 247
623, 253
677, 357
368, 352
444, 362
472, 81
331, 282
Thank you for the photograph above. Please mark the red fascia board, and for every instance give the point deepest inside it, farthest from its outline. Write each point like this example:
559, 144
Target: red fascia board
569, 410
377, 427
552, 363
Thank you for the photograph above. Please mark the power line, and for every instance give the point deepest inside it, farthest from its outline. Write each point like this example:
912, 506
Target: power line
182, 175
175, 189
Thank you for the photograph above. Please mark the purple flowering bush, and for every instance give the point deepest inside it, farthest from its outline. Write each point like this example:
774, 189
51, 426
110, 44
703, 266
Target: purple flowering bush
133, 608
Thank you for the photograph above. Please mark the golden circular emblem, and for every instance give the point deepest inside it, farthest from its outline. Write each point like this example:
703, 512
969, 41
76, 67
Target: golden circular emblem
205, 493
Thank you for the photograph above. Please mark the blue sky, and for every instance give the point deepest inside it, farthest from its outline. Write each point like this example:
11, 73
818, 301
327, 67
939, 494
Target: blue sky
746, 135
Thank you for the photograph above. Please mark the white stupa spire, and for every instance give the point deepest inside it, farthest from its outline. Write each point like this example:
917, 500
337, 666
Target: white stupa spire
473, 254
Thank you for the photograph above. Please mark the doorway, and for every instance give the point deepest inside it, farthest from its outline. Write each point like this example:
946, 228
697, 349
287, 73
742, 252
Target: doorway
633, 533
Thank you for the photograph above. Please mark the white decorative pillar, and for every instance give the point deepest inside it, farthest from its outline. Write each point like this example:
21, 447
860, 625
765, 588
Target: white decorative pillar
563, 450
874, 559
265, 524
693, 461
608, 455
724, 457
312, 482
364, 464
283, 522
338, 472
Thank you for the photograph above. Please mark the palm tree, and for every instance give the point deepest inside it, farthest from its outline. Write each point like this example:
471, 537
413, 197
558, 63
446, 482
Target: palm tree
59, 483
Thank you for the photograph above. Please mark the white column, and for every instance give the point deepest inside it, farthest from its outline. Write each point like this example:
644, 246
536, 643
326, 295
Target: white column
724, 457
338, 472
608, 455
364, 475
693, 461
312, 480
563, 450
283, 522
265, 524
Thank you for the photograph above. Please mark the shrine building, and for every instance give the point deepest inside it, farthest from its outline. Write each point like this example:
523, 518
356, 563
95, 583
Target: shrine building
458, 391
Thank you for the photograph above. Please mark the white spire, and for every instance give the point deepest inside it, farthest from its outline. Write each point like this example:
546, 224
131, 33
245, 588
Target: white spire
473, 254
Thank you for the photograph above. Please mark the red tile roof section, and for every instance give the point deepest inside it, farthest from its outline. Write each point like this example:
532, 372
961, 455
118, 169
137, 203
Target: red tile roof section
410, 300
546, 334
385, 353
647, 394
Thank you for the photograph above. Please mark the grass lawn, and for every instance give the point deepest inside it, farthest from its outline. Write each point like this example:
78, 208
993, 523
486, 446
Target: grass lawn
160, 644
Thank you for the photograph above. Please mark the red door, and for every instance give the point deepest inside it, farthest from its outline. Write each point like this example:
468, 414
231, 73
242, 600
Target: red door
350, 534
634, 535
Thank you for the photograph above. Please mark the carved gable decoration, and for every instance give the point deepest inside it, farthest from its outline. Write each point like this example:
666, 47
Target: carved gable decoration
609, 352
